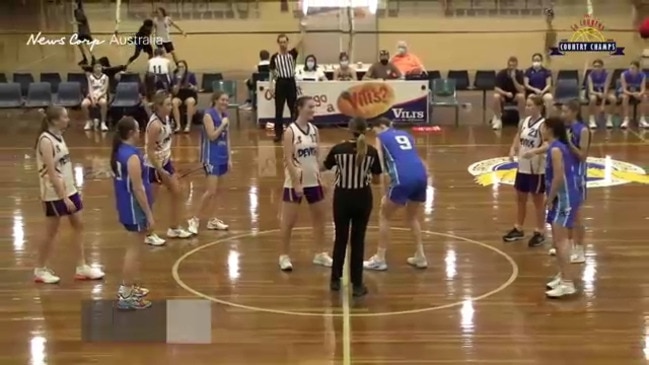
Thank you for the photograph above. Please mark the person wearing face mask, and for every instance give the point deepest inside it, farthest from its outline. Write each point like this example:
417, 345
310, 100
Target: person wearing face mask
509, 89
344, 72
311, 71
407, 63
384, 69
599, 95
538, 80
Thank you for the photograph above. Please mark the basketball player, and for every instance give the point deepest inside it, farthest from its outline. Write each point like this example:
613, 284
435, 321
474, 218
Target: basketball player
563, 201
160, 67
83, 33
302, 180
598, 95
408, 184
97, 97
134, 200
142, 41
633, 90
157, 162
529, 176
162, 22
59, 195
216, 158
579, 139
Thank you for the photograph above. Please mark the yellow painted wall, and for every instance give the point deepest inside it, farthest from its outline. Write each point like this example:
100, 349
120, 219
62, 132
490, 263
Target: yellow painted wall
442, 43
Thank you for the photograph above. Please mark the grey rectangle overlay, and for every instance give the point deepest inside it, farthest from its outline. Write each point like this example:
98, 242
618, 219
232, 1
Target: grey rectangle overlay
189, 321
182, 321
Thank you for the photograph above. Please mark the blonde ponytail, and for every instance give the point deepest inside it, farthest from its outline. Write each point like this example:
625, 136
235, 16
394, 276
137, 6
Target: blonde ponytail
361, 148
47, 116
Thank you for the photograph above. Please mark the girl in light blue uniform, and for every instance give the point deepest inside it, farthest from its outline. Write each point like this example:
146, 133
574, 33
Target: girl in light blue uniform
215, 157
133, 200
408, 187
563, 201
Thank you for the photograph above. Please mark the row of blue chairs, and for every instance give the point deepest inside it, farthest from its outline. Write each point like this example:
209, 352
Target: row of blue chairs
69, 95
54, 80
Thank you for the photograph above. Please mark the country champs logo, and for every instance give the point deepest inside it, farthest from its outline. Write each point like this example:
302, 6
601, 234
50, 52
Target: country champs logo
587, 37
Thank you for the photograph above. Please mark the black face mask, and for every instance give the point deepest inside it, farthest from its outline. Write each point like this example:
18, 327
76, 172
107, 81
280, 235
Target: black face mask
384, 62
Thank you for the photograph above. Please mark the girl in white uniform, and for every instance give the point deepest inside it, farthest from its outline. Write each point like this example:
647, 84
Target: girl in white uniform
97, 97
157, 163
59, 195
528, 145
302, 171
162, 23
159, 67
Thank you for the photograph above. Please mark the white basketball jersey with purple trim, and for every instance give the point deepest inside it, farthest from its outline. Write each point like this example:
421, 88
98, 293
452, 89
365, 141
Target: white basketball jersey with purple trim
305, 156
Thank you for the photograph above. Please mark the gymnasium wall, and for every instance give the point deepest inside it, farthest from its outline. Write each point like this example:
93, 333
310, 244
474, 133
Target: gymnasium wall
232, 45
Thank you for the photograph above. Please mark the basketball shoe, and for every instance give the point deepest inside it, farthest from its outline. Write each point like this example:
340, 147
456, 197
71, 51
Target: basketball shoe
87, 272
154, 240
178, 232
323, 259
45, 275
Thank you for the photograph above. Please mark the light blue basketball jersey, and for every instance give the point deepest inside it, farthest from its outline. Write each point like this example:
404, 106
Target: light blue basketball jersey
569, 194
401, 159
215, 152
128, 209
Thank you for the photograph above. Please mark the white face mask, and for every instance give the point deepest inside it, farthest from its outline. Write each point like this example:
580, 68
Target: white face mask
310, 65
344, 63
536, 64
401, 50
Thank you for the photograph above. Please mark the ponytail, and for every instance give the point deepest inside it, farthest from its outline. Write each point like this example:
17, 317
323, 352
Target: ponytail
361, 148
47, 116
117, 141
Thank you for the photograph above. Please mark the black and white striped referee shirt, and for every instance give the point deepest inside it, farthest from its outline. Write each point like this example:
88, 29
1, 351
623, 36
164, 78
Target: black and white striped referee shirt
284, 64
351, 173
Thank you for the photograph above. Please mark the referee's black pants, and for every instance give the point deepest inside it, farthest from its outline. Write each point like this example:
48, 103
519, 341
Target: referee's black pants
285, 92
352, 207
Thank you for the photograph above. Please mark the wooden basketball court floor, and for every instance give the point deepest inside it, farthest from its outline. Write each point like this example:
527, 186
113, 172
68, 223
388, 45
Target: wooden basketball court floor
481, 301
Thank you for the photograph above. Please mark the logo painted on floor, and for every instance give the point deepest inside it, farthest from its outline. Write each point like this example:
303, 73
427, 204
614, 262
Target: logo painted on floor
602, 172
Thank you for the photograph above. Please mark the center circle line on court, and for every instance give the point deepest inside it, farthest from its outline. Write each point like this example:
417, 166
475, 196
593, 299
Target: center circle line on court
513, 276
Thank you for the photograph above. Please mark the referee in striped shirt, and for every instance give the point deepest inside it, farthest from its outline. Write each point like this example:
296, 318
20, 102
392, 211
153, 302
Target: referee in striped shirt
283, 85
357, 166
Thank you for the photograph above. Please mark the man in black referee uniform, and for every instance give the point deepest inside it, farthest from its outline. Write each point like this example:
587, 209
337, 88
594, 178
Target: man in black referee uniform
358, 166
282, 83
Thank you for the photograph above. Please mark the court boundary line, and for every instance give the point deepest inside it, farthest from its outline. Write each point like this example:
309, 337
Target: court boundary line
639, 136
175, 275
347, 319
326, 145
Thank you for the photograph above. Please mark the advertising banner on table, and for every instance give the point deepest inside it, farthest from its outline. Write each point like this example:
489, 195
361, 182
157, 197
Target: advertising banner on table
337, 101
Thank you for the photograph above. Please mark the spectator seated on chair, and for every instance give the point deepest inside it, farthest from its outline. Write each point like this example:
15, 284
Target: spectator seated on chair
538, 80
111, 71
185, 92
344, 71
599, 95
310, 71
383, 69
509, 90
262, 67
407, 62
633, 91
97, 98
